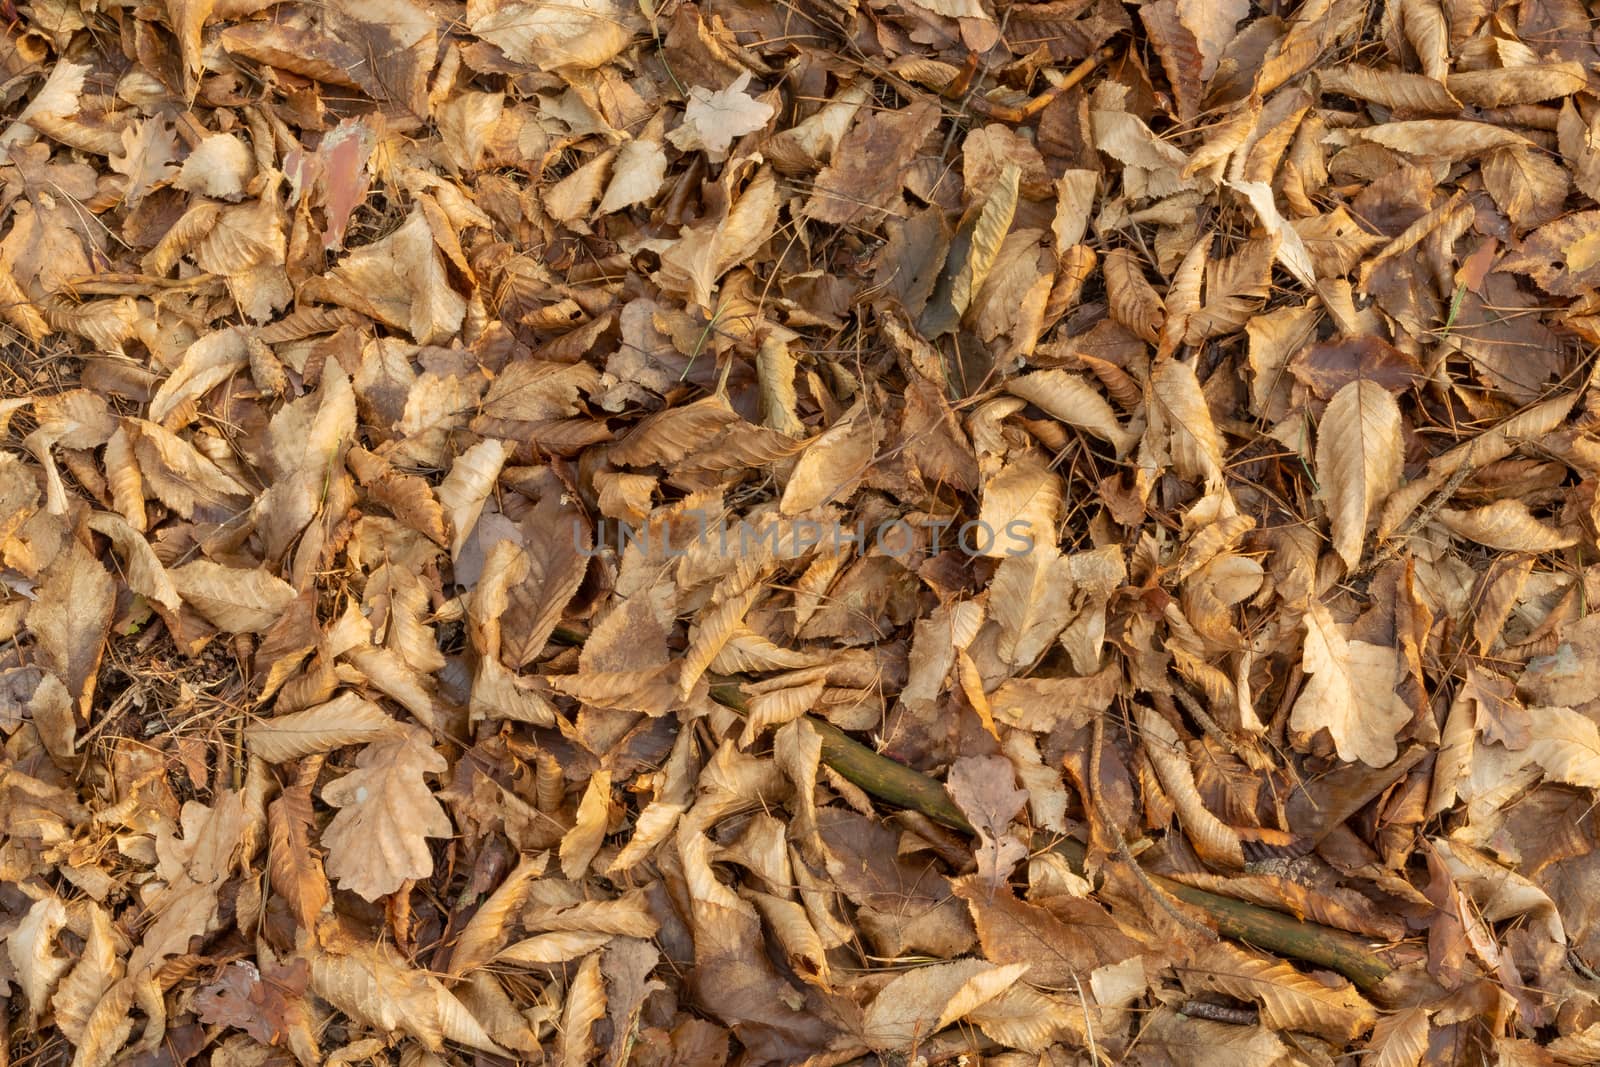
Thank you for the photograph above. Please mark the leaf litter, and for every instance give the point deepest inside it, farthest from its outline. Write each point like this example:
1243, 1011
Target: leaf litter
829, 532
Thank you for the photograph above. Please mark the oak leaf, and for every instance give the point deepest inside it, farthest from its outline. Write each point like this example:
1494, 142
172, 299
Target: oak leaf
378, 840
712, 120
984, 788
1351, 691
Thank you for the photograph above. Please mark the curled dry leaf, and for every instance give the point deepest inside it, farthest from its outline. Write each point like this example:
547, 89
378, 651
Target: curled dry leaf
241, 601
347, 719
1287, 998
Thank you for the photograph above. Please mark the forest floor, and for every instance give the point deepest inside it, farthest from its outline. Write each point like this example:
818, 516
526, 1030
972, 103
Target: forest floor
829, 532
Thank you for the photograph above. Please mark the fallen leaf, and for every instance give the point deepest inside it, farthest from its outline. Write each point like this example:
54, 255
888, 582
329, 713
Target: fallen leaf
378, 839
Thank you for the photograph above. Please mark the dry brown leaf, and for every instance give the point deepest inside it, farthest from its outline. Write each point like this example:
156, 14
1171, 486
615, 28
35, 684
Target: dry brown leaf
233, 599
345, 720
1134, 302
705, 252
293, 864
466, 488
1526, 185
1517, 85
400, 280
1351, 691
1359, 453
70, 618
923, 1001
1287, 998
368, 982
97, 969
378, 840
1506, 525
1215, 841
984, 787
486, 930
1394, 89
1031, 599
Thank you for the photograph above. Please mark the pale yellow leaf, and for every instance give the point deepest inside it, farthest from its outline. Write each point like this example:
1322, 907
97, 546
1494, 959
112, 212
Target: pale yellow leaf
1399, 1040
34, 956
1350, 691
1070, 398
581, 34
713, 120
485, 931
706, 251
220, 166
1359, 453
1031, 599
556, 947
1020, 507
97, 969
639, 170
920, 1002
579, 844
466, 488
988, 233
378, 840
586, 1005
1180, 417
831, 466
